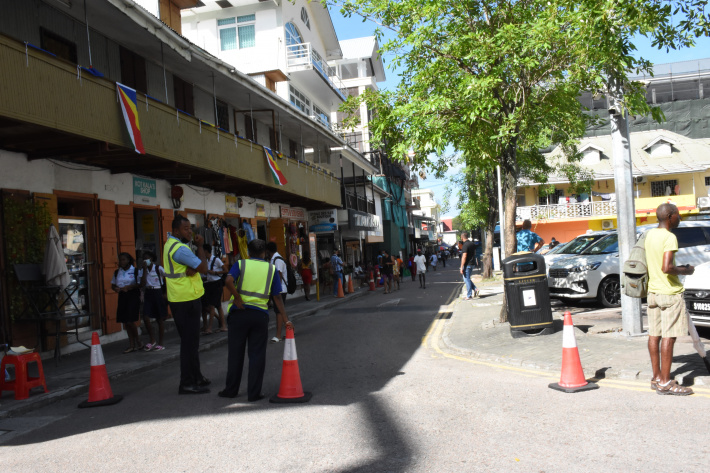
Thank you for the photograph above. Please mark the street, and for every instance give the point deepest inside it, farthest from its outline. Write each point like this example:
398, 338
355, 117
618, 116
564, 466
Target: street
387, 396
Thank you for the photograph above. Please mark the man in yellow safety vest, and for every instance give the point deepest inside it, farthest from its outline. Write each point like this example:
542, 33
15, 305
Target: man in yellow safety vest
251, 282
185, 289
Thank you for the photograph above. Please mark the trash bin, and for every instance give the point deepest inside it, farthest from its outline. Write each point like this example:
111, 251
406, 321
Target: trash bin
527, 295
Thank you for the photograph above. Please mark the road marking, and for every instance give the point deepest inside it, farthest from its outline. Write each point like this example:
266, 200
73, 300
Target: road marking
433, 334
389, 302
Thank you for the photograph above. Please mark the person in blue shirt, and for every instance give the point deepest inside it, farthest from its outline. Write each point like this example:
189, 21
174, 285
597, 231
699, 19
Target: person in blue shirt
337, 264
527, 239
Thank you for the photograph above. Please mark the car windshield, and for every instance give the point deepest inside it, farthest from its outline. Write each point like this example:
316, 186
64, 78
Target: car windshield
580, 244
607, 245
557, 249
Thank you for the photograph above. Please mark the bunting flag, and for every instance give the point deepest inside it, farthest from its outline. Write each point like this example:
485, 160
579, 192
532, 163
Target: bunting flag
276, 173
129, 107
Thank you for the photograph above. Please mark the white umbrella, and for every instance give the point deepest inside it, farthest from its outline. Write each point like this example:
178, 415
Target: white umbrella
55, 266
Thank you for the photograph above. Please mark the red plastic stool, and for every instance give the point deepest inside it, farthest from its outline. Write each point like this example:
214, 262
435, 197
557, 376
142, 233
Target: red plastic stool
22, 383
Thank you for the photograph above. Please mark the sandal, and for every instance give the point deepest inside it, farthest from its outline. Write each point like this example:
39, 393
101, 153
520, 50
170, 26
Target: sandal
674, 389
139, 348
158, 347
128, 350
654, 383
205, 332
224, 330
275, 340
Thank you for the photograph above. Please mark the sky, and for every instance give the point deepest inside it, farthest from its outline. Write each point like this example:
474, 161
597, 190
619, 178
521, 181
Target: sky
354, 27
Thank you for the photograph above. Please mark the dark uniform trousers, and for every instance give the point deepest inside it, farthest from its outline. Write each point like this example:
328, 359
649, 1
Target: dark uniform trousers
188, 317
247, 328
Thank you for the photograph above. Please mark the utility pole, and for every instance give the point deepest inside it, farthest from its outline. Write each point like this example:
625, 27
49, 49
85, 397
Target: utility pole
626, 212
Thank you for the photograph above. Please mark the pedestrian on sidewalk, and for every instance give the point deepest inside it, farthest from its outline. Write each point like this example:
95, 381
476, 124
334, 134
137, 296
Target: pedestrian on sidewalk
412, 266
336, 265
280, 264
666, 309
420, 263
468, 259
444, 255
155, 305
395, 272
256, 281
387, 270
212, 298
125, 282
307, 274
185, 290
434, 260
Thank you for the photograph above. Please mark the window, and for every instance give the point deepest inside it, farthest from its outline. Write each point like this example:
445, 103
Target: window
299, 100
707, 181
663, 188
553, 198
690, 236
57, 45
237, 32
133, 70
222, 115
293, 149
304, 18
605, 246
293, 36
321, 116
183, 96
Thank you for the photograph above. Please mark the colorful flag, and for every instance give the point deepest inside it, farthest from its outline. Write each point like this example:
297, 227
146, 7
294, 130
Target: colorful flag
129, 107
276, 173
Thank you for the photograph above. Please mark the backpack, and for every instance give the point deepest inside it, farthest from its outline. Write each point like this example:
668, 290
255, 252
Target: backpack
634, 273
290, 277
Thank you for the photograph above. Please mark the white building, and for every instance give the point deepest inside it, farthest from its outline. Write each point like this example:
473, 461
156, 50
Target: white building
429, 213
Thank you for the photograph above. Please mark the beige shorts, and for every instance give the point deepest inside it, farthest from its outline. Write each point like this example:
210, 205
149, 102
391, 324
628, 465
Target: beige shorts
666, 315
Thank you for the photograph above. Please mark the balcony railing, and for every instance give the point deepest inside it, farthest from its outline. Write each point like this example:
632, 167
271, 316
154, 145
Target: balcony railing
358, 202
558, 211
304, 55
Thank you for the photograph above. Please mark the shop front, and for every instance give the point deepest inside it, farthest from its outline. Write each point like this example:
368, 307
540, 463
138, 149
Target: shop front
324, 223
355, 229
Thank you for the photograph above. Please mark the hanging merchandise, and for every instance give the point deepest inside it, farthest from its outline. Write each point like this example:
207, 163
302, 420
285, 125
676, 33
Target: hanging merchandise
247, 228
242, 243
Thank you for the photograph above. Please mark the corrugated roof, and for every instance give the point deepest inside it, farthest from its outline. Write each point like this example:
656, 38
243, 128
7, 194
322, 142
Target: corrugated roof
688, 155
359, 47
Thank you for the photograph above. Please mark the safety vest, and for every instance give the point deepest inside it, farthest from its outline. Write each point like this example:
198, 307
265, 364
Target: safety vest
256, 287
181, 287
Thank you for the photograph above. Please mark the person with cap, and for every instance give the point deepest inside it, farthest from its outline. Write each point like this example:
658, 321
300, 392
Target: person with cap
280, 264
468, 259
337, 266
185, 290
251, 283
553, 243
420, 262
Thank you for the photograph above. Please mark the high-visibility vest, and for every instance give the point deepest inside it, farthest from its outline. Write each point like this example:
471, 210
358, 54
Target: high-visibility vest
254, 284
181, 287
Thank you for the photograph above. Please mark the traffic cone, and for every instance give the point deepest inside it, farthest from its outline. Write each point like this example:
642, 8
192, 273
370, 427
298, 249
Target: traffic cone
100, 393
350, 285
572, 379
291, 390
372, 281
340, 289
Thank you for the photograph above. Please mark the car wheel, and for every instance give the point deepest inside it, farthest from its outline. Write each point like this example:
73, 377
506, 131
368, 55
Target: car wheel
610, 292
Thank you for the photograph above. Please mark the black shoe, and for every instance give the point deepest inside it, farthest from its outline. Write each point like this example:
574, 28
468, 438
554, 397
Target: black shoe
193, 390
257, 398
225, 393
204, 382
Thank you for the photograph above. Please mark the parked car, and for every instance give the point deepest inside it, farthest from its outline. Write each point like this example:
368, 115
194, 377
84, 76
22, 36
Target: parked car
574, 247
594, 274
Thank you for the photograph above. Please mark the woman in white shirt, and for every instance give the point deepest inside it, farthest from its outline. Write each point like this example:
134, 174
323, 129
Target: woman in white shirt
129, 299
152, 278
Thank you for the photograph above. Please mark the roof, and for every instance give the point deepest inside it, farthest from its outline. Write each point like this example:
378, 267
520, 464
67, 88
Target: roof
687, 155
448, 224
364, 48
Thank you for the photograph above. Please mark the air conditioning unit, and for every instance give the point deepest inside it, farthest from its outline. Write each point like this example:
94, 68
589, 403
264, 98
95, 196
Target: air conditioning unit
640, 179
607, 224
703, 202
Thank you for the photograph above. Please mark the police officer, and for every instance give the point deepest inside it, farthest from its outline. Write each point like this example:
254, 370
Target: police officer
248, 319
185, 289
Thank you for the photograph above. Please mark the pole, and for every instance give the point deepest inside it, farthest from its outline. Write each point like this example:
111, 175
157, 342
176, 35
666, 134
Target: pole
501, 217
626, 214
88, 39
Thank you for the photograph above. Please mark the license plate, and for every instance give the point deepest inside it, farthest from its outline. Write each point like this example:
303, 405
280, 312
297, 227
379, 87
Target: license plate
701, 306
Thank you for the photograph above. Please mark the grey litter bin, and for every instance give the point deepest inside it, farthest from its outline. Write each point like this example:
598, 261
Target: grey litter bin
527, 296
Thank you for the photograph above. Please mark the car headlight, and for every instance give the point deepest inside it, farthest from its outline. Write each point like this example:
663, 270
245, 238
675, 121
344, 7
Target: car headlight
585, 267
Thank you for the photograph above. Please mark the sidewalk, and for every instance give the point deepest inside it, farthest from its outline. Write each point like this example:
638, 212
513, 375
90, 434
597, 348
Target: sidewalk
71, 376
473, 331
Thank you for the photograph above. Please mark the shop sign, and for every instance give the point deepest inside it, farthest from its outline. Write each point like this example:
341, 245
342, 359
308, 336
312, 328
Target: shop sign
322, 221
260, 211
231, 204
292, 213
363, 221
144, 191
425, 226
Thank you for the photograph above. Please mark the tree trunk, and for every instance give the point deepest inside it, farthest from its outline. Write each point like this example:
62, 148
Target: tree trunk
509, 166
492, 196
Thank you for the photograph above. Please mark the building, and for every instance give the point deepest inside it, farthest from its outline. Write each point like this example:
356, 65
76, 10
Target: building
426, 217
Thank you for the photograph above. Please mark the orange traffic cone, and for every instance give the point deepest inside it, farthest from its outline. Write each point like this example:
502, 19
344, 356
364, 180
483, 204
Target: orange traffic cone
572, 379
340, 288
350, 285
100, 393
291, 389
372, 281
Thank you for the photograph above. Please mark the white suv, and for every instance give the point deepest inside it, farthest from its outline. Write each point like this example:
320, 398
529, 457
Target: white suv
594, 274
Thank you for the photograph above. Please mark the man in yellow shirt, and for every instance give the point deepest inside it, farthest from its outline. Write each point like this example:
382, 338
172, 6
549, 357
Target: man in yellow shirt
666, 309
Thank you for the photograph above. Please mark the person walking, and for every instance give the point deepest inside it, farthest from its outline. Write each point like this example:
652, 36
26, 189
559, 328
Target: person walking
527, 239
434, 260
420, 263
468, 260
125, 282
152, 280
185, 290
387, 264
248, 319
667, 319
307, 274
280, 264
412, 266
212, 299
336, 265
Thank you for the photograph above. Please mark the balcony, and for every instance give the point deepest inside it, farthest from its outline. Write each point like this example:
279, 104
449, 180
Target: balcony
643, 205
358, 202
303, 59
46, 112
415, 204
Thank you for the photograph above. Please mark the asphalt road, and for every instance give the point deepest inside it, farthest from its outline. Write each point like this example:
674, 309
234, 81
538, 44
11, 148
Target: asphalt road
386, 398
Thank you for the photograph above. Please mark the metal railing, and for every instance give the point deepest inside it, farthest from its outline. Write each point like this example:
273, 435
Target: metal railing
358, 202
304, 55
557, 211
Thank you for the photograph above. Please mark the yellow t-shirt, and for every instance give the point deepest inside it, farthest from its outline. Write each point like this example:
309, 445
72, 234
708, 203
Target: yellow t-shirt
658, 241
